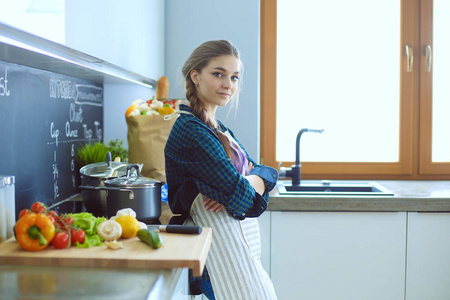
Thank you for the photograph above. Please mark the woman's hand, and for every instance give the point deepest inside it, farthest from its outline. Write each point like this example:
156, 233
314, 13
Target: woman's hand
250, 167
212, 205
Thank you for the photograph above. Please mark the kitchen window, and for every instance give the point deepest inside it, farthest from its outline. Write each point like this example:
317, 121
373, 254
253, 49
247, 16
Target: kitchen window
372, 74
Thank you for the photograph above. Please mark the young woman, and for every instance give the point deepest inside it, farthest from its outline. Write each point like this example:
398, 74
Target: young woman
213, 180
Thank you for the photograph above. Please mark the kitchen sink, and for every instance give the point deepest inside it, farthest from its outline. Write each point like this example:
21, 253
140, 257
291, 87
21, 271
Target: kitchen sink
333, 188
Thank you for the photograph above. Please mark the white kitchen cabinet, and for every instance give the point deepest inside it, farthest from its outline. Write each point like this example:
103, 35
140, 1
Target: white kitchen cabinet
428, 263
338, 255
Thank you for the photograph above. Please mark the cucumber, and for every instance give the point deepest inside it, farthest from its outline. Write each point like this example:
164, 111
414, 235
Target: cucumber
150, 237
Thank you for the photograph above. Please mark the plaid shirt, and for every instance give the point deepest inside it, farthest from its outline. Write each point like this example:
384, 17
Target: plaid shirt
197, 163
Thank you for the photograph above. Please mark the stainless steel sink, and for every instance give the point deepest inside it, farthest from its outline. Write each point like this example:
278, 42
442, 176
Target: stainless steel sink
333, 188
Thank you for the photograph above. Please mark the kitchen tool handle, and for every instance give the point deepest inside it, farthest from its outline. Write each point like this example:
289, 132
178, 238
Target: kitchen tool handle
178, 229
183, 229
409, 57
428, 56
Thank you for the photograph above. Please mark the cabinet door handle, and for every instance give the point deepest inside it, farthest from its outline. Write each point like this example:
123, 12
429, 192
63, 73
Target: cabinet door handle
409, 57
428, 56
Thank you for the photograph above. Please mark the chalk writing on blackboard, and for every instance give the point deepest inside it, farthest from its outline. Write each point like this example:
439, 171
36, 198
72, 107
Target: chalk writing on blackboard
55, 176
88, 134
54, 133
62, 89
89, 95
74, 114
4, 91
45, 117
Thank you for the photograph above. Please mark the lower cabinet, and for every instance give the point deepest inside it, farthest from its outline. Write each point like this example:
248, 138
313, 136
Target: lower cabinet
428, 250
356, 255
338, 255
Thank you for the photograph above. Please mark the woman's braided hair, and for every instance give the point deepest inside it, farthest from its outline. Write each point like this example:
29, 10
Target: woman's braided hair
198, 60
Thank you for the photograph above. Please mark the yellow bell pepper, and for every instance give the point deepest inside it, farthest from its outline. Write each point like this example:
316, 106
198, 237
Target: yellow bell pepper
166, 110
34, 231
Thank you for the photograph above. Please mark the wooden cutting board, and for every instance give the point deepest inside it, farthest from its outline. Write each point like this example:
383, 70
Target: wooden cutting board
178, 251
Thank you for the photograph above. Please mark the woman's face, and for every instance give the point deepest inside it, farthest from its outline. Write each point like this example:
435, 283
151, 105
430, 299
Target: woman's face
217, 82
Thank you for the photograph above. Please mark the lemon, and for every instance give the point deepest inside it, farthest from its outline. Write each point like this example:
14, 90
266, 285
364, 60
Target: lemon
130, 226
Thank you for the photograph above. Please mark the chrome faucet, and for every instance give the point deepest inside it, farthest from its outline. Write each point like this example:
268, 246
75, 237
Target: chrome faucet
295, 171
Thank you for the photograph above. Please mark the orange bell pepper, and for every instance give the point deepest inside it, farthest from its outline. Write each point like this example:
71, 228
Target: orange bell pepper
34, 231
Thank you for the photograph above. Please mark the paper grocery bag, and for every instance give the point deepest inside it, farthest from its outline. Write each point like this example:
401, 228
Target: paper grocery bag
147, 137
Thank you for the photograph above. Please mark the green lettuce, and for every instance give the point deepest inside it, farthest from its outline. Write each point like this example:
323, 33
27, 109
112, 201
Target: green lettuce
88, 223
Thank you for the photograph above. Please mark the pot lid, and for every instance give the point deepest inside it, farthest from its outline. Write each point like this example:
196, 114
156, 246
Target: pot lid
105, 169
132, 181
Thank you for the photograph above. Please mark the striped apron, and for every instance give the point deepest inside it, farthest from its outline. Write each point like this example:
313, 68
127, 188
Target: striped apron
233, 261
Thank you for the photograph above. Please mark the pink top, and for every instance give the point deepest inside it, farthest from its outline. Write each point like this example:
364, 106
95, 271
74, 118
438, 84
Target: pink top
240, 161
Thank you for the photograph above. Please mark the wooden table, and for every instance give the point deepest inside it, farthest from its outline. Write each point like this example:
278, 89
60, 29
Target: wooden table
178, 251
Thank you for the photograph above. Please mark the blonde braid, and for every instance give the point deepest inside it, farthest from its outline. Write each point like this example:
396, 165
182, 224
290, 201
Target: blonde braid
197, 106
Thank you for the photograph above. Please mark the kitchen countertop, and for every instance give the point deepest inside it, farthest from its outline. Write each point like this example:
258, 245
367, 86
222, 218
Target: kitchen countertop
409, 196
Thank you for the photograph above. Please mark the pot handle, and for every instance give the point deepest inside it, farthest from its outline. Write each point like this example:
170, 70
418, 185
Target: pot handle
100, 188
130, 167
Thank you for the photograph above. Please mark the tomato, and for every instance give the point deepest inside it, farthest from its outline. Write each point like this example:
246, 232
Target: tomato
77, 235
52, 213
170, 103
52, 219
24, 212
64, 219
38, 207
60, 240
68, 219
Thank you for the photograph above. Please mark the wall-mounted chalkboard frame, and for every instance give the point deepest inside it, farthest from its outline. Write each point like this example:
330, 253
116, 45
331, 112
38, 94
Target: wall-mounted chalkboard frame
44, 118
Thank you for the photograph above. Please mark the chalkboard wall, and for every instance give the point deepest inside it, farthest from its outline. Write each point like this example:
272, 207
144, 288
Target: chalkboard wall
45, 117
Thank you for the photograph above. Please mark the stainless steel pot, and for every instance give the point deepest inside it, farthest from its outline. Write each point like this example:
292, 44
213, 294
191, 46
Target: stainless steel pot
95, 175
142, 194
